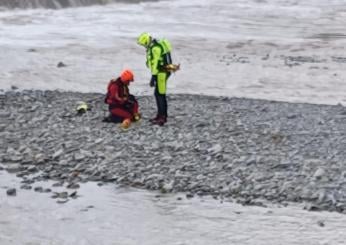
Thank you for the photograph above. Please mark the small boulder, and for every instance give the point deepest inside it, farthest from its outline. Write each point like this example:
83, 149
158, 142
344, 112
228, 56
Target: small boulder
11, 192
61, 64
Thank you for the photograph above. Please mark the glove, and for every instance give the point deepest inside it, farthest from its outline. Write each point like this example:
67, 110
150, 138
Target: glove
131, 99
128, 106
153, 80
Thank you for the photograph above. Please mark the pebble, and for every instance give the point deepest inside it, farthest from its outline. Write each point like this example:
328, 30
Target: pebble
320, 223
61, 64
38, 189
11, 192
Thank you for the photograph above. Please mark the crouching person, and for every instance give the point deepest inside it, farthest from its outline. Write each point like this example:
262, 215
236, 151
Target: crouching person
123, 106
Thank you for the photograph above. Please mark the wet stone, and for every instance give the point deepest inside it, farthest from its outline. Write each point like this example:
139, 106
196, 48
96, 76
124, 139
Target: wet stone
58, 184
38, 189
11, 192
189, 195
320, 223
61, 64
4, 114
61, 195
73, 194
26, 187
62, 201
58, 153
73, 186
14, 168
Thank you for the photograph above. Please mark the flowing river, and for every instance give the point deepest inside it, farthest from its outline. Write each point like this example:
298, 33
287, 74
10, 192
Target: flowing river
122, 216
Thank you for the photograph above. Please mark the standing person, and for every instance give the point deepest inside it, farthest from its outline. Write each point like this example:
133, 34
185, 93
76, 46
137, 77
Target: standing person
123, 106
158, 57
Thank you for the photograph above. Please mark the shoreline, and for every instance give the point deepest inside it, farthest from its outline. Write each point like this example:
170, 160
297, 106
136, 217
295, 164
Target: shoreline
244, 149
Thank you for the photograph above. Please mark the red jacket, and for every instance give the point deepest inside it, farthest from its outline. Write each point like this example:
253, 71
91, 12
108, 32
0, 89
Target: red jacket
117, 92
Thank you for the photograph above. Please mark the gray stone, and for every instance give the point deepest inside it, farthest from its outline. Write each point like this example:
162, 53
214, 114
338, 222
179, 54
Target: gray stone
319, 173
61, 64
39, 158
4, 114
38, 189
79, 156
215, 149
58, 153
11, 192
26, 187
73, 186
320, 223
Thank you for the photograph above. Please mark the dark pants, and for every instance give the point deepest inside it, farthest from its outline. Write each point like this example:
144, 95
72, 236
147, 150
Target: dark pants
161, 102
160, 94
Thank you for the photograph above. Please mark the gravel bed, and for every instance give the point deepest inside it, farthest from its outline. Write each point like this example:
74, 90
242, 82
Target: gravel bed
251, 151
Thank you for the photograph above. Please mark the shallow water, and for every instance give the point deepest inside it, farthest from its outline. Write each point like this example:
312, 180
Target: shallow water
114, 215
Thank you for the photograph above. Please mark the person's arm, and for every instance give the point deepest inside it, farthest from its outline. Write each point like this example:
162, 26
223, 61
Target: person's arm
154, 64
116, 98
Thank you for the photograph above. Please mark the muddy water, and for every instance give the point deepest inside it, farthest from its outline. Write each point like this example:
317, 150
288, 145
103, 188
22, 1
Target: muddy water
113, 215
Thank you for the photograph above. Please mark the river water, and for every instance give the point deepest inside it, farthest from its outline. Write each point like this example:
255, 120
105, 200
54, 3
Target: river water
123, 216
285, 50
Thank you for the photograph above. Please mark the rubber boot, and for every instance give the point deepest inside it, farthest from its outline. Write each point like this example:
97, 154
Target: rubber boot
152, 120
161, 120
126, 123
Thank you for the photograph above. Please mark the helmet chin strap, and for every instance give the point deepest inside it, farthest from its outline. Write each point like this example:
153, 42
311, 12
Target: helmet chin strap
151, 42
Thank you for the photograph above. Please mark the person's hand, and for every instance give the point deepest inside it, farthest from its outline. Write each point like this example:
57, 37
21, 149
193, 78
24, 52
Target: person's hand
153, 80
125, 100
132, 99
130, 102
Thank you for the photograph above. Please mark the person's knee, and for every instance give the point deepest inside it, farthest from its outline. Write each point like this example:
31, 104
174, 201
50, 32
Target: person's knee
116, 118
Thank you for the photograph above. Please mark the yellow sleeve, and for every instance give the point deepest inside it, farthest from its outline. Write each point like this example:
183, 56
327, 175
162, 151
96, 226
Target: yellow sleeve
155, 59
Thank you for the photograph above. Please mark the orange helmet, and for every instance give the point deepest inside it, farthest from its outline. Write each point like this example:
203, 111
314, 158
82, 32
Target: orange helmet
126, 76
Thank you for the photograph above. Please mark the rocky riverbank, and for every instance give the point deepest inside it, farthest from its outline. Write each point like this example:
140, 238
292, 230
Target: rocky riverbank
247, 150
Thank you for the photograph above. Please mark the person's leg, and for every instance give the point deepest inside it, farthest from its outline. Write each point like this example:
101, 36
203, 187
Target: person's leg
135, 106
159, 102
113, 116
164, 100
160, 95
163, 77
115, 119
125, 116
120, 114
135, 110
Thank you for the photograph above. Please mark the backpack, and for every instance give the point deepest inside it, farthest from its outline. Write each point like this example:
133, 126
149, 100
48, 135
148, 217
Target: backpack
166, 48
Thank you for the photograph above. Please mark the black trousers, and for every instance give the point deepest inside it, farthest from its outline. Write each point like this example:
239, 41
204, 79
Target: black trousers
161, 102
